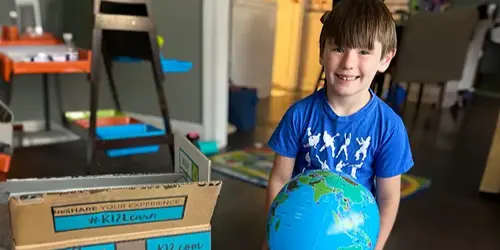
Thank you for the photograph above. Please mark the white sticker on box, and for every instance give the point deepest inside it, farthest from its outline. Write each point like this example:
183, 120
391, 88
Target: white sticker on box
188, 166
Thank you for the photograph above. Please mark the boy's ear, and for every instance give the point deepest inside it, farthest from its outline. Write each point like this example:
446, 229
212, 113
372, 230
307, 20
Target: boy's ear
386, 60
321, 61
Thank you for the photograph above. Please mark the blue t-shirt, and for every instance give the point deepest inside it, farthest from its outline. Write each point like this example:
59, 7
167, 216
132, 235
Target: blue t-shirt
371, 142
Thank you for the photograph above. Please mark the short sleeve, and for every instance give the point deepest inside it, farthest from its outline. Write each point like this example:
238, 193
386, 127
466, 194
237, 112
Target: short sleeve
285, 139
394, 157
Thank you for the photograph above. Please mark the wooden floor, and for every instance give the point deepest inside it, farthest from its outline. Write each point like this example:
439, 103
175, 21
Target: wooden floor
449, 215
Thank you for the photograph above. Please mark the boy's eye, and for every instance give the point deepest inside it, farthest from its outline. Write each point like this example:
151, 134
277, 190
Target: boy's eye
364, 52
340, 50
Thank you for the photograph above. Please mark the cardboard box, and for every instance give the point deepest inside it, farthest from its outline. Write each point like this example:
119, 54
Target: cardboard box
160, 216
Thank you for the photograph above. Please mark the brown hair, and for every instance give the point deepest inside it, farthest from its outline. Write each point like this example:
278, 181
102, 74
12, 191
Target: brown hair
358, 24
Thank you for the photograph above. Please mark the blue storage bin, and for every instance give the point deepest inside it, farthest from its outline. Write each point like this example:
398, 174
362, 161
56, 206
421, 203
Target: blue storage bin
243, 108
129, 131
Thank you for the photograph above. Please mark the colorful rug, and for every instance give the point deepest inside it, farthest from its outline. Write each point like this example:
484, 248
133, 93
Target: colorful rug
254, 165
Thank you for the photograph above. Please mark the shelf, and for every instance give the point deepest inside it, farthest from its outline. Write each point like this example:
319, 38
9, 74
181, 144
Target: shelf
78, 115
108, 121
117, 133
45, 39
168, 65
129, 131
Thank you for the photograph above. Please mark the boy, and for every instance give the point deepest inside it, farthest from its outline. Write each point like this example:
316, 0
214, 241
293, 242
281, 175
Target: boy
344, 127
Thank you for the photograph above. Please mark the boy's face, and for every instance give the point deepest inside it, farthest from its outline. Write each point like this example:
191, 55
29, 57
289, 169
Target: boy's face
351, 71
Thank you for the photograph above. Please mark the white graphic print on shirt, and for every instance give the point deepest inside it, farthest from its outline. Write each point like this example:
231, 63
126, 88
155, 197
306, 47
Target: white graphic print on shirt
342, 158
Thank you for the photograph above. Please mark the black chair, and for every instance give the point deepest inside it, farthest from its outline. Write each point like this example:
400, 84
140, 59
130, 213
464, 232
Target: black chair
124, 28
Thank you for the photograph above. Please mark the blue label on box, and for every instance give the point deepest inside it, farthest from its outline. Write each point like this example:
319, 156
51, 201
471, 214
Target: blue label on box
117, 213
100, 247
194, 241
110, 246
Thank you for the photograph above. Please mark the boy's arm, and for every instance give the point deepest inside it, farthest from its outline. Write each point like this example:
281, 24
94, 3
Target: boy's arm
285, 142
392, 159
280, 175
388, 197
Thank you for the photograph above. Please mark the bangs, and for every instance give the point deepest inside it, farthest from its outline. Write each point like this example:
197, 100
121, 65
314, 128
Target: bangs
351, 32
358, 24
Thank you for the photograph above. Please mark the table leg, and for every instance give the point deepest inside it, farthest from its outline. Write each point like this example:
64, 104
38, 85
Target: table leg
46, 100
57, 84
7, 90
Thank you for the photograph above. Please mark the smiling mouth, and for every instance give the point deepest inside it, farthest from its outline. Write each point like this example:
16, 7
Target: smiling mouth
347, 78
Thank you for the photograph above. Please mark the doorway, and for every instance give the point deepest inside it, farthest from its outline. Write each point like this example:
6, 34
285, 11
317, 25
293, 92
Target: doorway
308, 66
289, 22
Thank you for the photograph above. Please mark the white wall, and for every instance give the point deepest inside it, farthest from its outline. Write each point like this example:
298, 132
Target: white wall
253, 25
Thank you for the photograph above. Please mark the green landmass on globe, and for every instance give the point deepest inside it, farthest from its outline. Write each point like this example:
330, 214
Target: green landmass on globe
317, 180
325, 183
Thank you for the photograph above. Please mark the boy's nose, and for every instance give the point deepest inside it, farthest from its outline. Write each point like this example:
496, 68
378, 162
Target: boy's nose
349, 60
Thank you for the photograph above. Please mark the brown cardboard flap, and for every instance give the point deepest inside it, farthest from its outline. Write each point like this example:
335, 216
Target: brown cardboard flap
104, 214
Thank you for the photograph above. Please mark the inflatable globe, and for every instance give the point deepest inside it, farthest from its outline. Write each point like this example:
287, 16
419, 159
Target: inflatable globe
320, 210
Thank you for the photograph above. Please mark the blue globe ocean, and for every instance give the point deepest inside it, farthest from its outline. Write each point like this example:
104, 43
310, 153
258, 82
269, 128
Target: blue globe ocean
320, 210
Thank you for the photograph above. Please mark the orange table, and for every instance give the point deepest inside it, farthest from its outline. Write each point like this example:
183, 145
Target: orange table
12, 64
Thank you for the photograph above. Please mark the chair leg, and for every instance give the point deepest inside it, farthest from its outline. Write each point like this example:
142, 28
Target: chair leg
94, 94
390, 92
159, 78
419, 102
439, 107
405, 103
379, 83
442, 86
108, 64
436, 114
